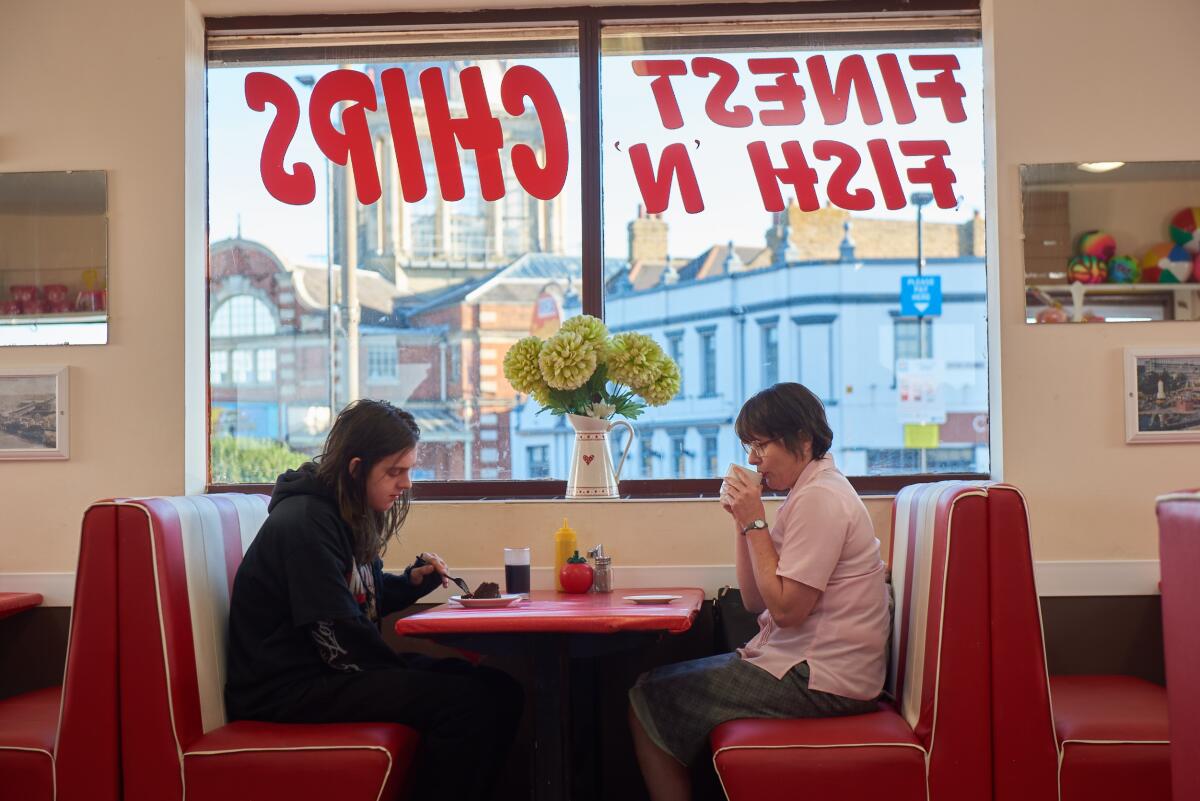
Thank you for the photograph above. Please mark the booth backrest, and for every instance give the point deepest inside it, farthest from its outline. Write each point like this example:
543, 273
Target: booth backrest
87, 749
178, 557
1179, 557
941, 653
1024, 745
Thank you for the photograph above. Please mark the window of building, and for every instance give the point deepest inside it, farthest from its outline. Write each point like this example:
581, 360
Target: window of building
784, 261
675, 351
769, 351
711, 447
538, 459
708, 362
382, 363
218, 366
679, 454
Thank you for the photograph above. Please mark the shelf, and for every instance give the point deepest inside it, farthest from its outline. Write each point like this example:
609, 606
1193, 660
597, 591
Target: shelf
1116, 289
52, 319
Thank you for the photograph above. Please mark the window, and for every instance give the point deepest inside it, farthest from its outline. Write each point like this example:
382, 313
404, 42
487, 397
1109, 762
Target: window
382, 363
675, 351
538, 459
648, 455
679, 454
708, 363
711, 465
769, 344
723, 214
218, 365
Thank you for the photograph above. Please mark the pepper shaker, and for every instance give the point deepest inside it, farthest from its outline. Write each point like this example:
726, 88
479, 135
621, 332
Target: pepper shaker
602, 575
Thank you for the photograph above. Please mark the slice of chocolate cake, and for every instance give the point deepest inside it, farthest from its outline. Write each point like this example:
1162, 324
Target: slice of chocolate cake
488, 589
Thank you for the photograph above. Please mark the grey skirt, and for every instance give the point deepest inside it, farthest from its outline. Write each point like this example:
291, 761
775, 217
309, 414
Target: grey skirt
678, 705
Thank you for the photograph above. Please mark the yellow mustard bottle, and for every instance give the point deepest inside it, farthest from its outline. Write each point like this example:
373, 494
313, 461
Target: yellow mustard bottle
565, 544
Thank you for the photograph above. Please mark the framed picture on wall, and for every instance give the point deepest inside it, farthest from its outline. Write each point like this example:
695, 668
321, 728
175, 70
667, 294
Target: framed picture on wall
33, 413
1162, 394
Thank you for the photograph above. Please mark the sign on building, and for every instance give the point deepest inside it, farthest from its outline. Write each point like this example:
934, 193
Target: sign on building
920, 295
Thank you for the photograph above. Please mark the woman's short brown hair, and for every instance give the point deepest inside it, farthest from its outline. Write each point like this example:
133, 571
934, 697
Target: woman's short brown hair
789, 412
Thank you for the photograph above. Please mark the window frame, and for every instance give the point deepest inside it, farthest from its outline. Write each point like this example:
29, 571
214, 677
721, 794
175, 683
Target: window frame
952, 16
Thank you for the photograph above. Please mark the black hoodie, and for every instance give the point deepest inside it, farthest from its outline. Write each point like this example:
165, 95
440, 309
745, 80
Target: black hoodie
292, 591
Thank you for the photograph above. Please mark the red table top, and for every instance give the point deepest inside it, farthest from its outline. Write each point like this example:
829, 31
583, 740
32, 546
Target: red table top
555, 612
13, 602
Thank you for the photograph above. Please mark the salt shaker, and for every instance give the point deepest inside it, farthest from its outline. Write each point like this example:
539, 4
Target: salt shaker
602, 575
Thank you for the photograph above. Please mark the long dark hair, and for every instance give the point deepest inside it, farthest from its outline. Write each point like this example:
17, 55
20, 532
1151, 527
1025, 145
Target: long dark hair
788, 412
369, 430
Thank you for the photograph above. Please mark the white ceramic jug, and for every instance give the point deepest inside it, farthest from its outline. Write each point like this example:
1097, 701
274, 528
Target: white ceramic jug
592, 474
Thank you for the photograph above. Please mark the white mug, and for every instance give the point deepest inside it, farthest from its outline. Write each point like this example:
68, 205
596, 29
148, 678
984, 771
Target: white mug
741, 471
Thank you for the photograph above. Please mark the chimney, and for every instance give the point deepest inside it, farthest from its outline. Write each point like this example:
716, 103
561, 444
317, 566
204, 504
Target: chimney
647, 238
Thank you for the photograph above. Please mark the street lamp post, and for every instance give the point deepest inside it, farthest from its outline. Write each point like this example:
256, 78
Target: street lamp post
333, 320
921, 200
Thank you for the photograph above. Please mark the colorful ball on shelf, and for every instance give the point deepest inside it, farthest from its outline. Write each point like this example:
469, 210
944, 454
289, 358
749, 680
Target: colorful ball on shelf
1098, 244
1154, 260
1177, 268
1185, 229
1124, 270
1087, 270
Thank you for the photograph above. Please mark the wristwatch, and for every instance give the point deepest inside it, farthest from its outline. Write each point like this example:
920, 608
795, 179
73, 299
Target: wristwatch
755, 524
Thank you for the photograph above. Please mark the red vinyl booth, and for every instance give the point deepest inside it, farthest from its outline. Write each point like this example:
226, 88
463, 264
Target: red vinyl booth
1179, 555
178, 558
62, 742
934, 745
1061, 738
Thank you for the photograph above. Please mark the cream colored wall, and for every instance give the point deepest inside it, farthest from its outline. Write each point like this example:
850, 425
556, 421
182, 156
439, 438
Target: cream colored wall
1073, 83
100, 86
86, 87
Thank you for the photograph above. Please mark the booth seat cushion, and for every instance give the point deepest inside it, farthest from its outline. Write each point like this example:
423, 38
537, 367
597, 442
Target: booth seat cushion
271, 761
847, 758
1112, 732
28, 725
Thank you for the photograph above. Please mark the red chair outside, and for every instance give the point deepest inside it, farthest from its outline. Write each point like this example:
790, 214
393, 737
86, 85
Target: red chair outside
1060, 738
62, 742
178, 558
934, 745
1179, 555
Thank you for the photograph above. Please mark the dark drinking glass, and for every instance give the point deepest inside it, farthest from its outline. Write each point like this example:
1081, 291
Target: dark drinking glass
516, 571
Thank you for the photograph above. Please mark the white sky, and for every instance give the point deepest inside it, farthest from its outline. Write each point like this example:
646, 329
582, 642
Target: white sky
733, 207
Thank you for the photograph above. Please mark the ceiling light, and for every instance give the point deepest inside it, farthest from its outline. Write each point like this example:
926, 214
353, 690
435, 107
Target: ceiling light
1100, 166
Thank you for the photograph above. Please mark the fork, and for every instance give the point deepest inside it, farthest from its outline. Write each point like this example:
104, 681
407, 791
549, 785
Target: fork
462, 584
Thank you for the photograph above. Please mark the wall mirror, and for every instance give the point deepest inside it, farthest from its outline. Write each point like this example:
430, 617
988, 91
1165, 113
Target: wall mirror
54, 258
1111, 241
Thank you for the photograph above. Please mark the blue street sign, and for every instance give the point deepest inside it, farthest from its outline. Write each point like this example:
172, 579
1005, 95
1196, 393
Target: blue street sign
920, 295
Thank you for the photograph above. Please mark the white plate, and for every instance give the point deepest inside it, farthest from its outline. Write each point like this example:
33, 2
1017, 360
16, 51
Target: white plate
652, 599
485, 603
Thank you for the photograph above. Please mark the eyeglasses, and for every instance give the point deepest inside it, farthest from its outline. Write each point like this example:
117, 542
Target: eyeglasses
757, 448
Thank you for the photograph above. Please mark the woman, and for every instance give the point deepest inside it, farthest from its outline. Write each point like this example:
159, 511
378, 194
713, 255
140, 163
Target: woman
304, 638
817, 580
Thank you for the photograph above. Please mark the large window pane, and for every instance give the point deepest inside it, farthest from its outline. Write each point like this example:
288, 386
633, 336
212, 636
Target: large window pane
766, 191
452, 237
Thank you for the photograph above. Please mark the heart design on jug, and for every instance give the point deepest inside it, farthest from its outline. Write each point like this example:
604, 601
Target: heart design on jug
588, 457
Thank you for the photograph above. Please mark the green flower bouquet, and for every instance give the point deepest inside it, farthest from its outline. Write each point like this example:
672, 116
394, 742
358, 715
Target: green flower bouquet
583, 370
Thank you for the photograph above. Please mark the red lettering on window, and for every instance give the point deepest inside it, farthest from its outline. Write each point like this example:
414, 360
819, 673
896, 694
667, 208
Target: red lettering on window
354, 145
297, 187
934, 172
727, 80
797, 173
838, 189
885, 171
897, 88
835, 102
785, 90
655, 185
944, 86
664, 93
478, 131
546, 182
404, 135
